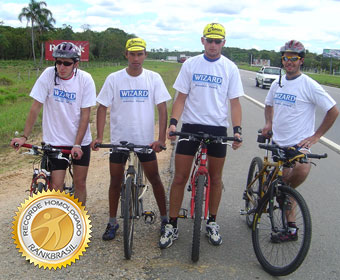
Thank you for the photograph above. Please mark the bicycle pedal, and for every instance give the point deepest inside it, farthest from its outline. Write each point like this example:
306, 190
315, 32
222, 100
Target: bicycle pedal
243, 212
149, 217
183, 213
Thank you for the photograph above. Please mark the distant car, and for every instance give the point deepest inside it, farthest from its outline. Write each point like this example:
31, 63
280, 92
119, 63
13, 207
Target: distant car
267, 75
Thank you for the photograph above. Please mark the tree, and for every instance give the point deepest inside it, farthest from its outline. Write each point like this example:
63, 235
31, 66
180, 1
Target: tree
45, 24
38, 16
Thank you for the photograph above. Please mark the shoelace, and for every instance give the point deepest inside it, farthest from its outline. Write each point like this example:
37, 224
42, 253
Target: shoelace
213, 227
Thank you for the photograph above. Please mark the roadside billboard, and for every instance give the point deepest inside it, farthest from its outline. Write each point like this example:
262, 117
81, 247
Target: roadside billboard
83, 45
332, 53
261, 62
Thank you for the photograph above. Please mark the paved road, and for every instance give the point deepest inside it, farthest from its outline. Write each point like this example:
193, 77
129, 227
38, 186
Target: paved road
235, 258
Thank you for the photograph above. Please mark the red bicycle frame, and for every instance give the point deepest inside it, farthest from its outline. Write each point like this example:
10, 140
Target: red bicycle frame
200, 168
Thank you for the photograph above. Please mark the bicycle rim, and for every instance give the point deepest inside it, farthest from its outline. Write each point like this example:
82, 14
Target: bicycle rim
281, 258
197, 218
128, 218
254, 191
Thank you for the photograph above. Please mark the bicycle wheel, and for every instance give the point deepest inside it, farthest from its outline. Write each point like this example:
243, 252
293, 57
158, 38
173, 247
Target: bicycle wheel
128, 218
284, 257
254, 191
41, 187
198, 218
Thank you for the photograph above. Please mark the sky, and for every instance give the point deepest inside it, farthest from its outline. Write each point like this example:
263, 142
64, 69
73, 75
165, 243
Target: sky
178, 24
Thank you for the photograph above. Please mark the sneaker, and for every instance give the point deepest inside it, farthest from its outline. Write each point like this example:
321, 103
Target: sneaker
212, 233
285, 236
163, 224
170, 234
110, 232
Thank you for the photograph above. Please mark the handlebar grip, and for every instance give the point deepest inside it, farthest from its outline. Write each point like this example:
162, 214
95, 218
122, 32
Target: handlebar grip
316, 156
26, 145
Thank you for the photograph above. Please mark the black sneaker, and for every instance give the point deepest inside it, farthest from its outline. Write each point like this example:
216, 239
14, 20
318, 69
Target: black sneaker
110, 232
285, 236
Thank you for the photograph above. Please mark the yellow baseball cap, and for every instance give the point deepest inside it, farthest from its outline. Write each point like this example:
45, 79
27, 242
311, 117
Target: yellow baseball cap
214, 31
135, 44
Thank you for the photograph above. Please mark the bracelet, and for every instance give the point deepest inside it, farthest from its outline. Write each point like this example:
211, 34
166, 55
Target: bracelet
24, 136
77, 146
173, 121
237, 129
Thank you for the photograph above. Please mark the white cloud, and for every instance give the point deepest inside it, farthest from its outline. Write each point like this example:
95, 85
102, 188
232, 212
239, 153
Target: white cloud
178, 24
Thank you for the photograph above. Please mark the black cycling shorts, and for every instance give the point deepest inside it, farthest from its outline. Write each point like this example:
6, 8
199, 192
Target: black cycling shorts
61, 164
122, 157
190, 147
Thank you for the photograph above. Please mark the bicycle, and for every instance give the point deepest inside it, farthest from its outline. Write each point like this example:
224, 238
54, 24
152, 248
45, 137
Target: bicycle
199, 183
271, 205
41, 179
133, 190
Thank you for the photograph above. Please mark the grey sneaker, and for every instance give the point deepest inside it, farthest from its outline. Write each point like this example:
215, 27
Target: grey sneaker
170, 234
212, 233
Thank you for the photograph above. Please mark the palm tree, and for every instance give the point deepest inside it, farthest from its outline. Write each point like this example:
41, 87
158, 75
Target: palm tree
45, 24
38, 16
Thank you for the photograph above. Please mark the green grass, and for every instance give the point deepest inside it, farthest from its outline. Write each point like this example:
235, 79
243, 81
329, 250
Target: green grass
18, 77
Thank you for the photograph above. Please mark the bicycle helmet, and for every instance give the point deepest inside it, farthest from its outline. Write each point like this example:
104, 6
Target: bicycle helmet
67, 50
294, 47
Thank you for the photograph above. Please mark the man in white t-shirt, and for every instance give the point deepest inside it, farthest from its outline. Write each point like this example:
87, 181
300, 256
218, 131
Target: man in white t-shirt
290, 115
67, 94
205, 85
132, 94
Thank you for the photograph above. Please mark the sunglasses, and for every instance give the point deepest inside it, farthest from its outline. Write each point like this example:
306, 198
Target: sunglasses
291, 58
217, 41
65, 63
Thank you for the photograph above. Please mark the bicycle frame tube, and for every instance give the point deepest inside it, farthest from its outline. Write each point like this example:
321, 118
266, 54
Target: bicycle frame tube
200, 169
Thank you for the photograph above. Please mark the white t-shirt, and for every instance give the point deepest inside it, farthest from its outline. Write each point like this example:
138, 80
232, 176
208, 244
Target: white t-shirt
294, 107
62, 104
209, 86
132, 101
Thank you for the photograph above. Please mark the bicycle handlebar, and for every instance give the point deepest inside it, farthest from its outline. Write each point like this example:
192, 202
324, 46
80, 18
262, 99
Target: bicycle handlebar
125, 146
46, 148
204, 136
275, 148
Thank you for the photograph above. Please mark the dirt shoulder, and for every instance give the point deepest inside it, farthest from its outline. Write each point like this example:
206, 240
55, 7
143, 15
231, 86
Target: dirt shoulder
103, 260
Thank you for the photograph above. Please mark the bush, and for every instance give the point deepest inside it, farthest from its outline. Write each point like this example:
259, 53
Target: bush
4, 81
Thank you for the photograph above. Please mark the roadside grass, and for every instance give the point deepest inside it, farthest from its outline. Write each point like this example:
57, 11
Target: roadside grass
18, 77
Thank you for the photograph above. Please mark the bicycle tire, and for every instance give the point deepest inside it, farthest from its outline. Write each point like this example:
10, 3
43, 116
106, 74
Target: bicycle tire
128, 219
41, 187
254, 191
280, 259
197, 218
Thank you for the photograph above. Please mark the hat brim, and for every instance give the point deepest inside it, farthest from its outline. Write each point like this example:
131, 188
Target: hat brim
214, 36
132, 49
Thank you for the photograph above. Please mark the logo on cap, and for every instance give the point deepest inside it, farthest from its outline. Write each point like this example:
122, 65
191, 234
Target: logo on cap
135, 44
214, 30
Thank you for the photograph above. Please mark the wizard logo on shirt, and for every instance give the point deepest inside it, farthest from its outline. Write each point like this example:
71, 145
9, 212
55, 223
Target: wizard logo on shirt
205, 80
285, 99
134, 95
64, 96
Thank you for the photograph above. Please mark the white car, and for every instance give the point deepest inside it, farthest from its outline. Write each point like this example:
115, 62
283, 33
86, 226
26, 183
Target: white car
267, 75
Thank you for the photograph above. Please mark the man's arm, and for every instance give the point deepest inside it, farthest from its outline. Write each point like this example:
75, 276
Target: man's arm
326, 124
177, 110
236, 119
83, 124
162, 121
30, 121
101, 120
268, 116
